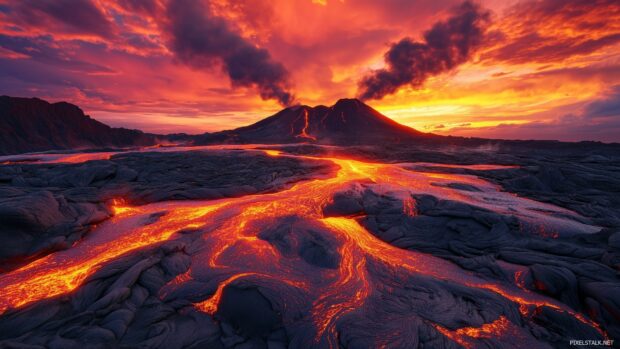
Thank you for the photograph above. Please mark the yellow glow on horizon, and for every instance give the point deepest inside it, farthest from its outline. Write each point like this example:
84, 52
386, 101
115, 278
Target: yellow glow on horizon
539, 65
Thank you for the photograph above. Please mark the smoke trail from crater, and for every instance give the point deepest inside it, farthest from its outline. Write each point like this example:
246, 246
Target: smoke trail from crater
203, 40
446, 45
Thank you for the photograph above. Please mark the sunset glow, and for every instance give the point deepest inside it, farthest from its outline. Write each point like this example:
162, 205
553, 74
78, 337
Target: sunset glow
544, 69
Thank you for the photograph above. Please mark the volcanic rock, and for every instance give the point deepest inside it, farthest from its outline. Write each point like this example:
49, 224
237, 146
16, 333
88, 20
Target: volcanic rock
53, 205
32, 124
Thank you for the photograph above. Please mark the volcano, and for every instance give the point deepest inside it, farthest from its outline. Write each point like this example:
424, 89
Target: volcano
349, 121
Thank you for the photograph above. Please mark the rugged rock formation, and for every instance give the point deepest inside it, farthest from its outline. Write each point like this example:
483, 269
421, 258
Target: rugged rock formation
49, 207
32, 124
419, 270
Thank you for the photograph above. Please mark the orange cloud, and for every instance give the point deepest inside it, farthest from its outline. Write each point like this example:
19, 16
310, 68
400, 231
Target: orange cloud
554, 31
538, 62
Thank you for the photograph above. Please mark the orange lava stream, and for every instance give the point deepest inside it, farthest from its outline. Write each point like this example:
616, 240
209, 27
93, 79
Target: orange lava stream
465, 336
210, 305
304, 130
55, 275
78, 158
231, 249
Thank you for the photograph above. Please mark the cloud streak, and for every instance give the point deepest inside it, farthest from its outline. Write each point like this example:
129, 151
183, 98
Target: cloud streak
553, 30
67, 16
446, 45
201, 65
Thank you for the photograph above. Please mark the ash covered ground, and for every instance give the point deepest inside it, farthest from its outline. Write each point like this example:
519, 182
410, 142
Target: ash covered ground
311, 246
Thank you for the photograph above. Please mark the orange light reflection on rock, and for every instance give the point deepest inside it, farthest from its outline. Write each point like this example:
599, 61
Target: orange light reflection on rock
466, 336
50, 276
234, 250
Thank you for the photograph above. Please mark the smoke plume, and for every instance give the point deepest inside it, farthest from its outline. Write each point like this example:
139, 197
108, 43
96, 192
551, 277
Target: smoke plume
446, 45
203, 40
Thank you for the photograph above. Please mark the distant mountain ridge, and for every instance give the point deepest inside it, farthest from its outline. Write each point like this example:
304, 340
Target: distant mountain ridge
32, 124
349, 121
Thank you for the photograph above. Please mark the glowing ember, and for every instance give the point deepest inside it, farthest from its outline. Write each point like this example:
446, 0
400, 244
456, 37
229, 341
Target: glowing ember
409, 207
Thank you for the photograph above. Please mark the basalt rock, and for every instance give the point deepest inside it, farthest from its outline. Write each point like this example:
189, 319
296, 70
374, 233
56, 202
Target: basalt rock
49, 206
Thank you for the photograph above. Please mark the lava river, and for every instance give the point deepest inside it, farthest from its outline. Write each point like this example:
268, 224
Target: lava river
256, 240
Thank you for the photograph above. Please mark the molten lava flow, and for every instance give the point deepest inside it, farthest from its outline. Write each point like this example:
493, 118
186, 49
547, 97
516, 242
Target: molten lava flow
273, 152
466, 336
61, 273
210, 305
78, 158
304, 130
527, 300
232, 250
119, 206
498, 326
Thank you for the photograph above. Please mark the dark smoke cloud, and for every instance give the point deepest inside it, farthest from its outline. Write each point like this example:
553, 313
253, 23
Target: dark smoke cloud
446, 45
203, 40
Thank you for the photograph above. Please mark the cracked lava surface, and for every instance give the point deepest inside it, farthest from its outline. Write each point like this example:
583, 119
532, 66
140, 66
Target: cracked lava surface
319, 271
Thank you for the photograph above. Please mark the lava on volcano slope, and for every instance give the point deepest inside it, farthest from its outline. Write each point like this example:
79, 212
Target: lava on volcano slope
304, 131
322, 273
75, 158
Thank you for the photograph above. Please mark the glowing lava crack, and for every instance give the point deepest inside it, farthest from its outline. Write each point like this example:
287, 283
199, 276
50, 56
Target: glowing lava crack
283, 244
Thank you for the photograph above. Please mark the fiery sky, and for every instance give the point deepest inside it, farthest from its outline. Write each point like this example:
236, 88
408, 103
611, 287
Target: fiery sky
546, 69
